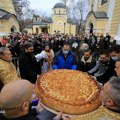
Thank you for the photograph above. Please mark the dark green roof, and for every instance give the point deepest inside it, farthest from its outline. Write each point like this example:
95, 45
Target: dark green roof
59, 5
98, 15
3, 13
69, 20
6, 15
42, 22
46, 22
30, 26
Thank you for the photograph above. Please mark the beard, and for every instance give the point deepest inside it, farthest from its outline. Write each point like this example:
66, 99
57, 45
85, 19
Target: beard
47, 50
31, 54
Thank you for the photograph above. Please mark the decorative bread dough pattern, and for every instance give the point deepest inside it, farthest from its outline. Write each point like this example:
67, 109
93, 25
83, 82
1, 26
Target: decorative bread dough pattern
74, 92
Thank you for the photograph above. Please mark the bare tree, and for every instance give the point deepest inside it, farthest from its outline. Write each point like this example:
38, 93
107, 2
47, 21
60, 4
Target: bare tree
23, 12
21, 6
79, 10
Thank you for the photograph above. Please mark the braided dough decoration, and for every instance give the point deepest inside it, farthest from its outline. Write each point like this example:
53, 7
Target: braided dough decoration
74, 92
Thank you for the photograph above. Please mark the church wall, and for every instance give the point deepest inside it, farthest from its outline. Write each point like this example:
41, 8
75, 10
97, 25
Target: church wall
54, 17
59, 11
7, 24
73, 29
13, 22
68, 28
116, 18
8, 6
6, 28
100, 7
1, 4
112, 8
91, 17
34, 28
59, 24
103, 7
51, 29
101, 25
3, 26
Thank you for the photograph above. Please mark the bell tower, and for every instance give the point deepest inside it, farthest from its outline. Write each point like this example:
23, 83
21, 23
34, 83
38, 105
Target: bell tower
7, 5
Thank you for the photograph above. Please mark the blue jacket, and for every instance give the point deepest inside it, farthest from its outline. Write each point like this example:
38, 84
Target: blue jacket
60, 62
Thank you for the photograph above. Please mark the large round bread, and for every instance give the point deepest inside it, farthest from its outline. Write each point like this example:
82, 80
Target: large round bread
74, 92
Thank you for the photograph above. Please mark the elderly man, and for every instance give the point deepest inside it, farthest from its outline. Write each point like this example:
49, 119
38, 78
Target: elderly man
64, 59
110, 99
17, 104
8, 71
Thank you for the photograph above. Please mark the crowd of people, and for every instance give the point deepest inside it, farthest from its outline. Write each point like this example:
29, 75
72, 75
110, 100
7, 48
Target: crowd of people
28, 56
34, 54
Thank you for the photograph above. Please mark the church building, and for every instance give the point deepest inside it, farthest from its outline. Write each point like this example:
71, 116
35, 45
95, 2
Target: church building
59, 22
8, 20
105, 17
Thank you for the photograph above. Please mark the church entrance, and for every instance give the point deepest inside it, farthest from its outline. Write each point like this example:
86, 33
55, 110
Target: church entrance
91, 26
13, 29
44, 30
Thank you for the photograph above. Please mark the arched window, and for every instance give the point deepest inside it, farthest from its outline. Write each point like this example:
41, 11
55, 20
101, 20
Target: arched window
13, 29
103, 2
59, 11
37, 30
54, 11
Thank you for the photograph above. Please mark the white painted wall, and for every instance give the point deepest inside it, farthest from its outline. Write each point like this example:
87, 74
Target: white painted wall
110, 13
95, 5
117, 37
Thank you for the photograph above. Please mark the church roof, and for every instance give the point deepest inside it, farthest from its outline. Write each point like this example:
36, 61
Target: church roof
38, 22
29, 26
59, 5
5, 15
98, 15
69, 20
49, 20
46, 22
42, 22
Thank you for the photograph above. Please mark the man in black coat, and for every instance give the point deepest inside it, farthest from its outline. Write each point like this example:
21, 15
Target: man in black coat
29, 67
86, 62
104, 68
106, 41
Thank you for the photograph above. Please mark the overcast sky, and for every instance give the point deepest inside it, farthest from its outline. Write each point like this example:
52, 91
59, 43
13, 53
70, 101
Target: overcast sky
45, 6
